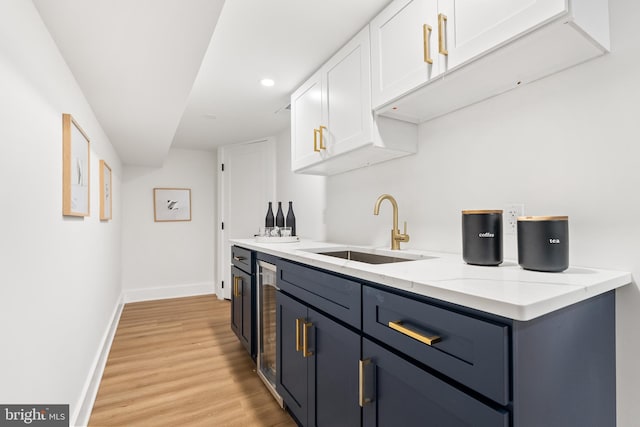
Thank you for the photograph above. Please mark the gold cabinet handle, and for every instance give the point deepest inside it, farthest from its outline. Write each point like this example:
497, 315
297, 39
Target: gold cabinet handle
442, 18
305, 340
236, 285
322, 146
298, 344
426, 34
239, 258
315, 140
362, 400
428, 340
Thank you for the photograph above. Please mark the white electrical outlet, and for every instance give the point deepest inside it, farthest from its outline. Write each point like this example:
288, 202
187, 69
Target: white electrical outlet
511, 214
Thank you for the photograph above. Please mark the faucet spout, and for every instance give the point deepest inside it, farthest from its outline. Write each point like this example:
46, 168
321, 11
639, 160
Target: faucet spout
396, 236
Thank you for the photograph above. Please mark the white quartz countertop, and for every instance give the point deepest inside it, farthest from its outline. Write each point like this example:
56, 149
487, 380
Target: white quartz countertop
506, 290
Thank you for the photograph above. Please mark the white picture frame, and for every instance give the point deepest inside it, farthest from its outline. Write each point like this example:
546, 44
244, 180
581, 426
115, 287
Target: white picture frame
171, 204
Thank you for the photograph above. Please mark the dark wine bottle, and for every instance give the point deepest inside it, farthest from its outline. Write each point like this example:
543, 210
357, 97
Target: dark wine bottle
280, 216
268, 221
291, 219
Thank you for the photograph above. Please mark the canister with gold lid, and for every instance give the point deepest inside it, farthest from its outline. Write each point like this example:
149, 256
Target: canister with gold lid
482, 237
543, 243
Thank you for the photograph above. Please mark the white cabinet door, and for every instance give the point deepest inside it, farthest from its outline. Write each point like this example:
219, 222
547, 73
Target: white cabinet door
347, 81
404, 40
306, 117
476, 27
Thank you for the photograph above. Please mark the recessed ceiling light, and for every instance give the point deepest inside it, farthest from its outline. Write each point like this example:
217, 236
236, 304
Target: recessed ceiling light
267, 82
209, 116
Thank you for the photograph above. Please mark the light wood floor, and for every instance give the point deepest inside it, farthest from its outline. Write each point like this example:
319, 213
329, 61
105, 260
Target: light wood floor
177, 363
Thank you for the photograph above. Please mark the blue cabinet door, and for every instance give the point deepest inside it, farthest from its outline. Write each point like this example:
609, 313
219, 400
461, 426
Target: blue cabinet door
245, 289
291, 365
242, 318
317, 366
402, 394
333, 373
236, 303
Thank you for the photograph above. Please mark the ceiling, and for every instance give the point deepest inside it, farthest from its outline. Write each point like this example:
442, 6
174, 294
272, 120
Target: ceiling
185, 74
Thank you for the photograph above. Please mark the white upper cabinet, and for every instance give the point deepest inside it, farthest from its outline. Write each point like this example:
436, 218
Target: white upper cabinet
404, 48
475, 27
306, 117
332, 124
479, 49
347, 82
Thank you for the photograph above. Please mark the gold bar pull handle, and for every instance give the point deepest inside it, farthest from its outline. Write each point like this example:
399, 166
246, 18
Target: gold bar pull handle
428, 340
315, 140
442, 19
236, 286
298, 344
305, 340
322, 146
362, 400
426, 34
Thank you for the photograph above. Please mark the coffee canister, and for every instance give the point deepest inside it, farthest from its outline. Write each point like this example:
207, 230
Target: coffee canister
482, 237
543, 243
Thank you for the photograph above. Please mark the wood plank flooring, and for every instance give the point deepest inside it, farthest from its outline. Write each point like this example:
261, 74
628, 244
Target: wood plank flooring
177, 363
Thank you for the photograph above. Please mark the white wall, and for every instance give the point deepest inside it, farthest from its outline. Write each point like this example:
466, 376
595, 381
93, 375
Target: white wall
169, 259
568, 144
307, 192
60, 281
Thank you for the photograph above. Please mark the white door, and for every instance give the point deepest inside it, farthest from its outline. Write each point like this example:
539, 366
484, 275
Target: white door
306, 117
246, 186
404, 39
347, 115
474, 27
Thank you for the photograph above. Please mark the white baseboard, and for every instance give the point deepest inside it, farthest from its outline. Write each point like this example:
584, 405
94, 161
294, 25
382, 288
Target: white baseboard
81, 415
165, 292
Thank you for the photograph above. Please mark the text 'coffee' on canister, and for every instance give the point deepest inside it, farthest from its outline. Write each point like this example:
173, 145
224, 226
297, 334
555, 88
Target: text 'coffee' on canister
482, 237
543, 243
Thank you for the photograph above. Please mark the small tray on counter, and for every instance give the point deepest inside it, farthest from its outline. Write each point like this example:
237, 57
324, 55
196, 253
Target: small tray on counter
277, 239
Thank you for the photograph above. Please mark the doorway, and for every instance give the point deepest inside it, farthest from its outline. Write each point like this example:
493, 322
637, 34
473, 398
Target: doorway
246, 183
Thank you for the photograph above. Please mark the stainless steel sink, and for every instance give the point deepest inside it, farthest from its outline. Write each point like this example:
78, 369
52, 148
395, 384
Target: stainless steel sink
372, 258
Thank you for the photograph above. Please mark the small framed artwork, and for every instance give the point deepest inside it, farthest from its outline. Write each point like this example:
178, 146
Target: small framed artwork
75, 168
172, 204
105, 191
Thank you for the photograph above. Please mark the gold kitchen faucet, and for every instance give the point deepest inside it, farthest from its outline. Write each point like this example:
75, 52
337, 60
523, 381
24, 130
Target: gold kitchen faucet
396, 236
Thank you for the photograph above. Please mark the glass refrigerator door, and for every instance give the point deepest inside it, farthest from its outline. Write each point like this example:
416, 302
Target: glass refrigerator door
267, 326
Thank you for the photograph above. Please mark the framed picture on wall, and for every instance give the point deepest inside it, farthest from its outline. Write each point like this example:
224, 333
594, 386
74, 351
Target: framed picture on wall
172, 204
106, 192
75, 168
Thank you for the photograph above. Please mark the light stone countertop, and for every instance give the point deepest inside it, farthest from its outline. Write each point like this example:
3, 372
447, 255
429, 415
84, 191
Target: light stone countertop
507, 290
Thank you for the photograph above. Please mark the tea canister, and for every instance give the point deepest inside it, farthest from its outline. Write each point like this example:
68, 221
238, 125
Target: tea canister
543, 243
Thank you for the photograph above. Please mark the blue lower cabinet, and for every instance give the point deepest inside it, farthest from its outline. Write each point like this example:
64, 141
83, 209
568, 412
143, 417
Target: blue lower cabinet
317, 365
291, 365
399, 393
242, 321
362, 354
